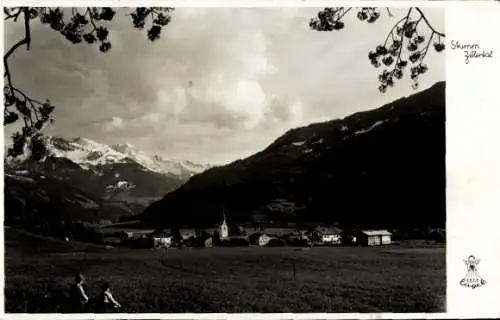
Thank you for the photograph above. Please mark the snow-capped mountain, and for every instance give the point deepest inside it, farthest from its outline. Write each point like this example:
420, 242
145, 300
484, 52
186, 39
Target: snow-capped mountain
158, 163
98, 169
90, 154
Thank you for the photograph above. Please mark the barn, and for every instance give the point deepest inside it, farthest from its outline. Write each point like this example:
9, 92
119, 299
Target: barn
374, 237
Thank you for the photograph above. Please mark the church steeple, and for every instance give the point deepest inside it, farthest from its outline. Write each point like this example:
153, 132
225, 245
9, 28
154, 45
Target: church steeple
223, 215
224, 230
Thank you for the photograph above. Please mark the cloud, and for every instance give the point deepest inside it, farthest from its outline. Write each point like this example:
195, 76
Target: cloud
220, 84
113, 124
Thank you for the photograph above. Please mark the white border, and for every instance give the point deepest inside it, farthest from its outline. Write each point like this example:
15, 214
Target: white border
473, 157
244, 3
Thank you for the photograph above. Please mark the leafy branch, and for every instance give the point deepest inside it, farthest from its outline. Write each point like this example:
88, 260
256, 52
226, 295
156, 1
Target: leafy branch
84, 25
403, 42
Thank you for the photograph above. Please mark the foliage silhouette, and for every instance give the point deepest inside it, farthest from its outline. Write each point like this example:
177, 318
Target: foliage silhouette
77, 25
404, 41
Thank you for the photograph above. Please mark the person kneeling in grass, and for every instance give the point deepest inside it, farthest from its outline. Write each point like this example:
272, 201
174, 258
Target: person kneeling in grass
105, 301
78, 298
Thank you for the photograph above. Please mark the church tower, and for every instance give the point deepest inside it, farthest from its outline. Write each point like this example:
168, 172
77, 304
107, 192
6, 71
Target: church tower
224, 230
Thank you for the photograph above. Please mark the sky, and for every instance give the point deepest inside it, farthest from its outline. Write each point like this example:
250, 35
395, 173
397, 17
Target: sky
221, 84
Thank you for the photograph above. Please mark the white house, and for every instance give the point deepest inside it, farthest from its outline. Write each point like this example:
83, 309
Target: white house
330, 238
264, 240
327, 235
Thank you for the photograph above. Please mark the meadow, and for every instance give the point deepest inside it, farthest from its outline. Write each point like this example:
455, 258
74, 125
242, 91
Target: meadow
38, 272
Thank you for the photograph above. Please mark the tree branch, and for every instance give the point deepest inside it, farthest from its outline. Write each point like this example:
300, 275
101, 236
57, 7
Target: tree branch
26, 41
9, 15
91, 18
395, 26
346, 11
428, 24
423, 52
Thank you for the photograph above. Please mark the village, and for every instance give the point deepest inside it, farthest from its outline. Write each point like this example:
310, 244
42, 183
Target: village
236, 236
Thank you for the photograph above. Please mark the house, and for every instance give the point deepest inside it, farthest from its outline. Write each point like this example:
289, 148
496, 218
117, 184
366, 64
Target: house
125, 235
161, 239
325, 235
329, 235
187, 233
208, 243
263, 240
374, 237
330, 239
162, 242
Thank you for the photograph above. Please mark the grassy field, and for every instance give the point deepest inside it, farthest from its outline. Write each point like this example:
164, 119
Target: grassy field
390, 279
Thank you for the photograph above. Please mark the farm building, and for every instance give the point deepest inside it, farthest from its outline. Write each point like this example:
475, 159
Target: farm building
374, 237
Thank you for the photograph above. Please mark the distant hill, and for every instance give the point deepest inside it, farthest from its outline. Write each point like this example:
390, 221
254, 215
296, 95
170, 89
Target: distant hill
379, 168
35, 200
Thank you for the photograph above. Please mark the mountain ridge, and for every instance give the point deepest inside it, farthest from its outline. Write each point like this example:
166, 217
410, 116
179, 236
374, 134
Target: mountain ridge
97, 168
312, 171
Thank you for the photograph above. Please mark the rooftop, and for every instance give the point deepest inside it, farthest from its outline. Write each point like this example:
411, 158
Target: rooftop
376, 232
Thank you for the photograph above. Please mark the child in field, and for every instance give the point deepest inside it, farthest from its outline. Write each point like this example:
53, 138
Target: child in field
77, 297
105, 301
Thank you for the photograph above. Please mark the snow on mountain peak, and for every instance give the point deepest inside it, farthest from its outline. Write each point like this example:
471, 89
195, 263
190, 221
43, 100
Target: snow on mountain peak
88, 153
120, 186
83, 151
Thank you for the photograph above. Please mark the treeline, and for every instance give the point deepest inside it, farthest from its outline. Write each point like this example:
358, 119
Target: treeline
430, 234
62, 229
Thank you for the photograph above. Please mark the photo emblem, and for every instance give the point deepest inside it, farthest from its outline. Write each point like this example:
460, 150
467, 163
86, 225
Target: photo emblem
472, 278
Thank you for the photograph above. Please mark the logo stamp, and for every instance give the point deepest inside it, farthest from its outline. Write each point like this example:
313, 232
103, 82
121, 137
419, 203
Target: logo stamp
472, 278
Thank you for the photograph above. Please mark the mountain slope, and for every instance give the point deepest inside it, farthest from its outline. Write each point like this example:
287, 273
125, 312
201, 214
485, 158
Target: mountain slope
379, 168
34, 201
